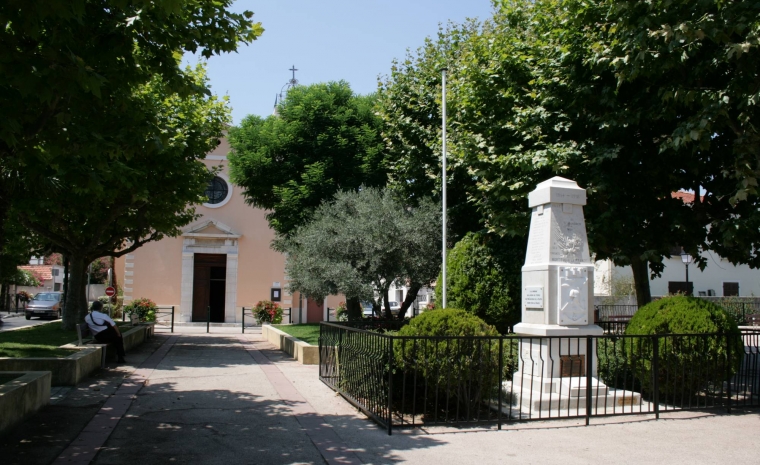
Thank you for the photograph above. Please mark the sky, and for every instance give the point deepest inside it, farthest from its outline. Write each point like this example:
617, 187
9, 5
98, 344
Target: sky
327, 40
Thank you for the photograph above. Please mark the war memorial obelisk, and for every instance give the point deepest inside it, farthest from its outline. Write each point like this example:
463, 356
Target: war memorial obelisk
557, 305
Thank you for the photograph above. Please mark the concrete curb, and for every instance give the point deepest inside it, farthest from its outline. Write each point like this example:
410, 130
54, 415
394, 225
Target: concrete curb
20, 398
304, 352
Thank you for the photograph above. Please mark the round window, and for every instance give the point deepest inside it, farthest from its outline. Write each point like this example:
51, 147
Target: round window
217, 190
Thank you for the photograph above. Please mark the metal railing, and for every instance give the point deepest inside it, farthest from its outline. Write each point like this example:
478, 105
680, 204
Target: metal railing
162, 322
613, 312
415, 381
741, 308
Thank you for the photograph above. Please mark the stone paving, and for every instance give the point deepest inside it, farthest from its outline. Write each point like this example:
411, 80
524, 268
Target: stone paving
228, 398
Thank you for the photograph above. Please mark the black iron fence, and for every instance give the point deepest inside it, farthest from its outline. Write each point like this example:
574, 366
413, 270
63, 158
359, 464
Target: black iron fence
165, 318
416, 381
744, 310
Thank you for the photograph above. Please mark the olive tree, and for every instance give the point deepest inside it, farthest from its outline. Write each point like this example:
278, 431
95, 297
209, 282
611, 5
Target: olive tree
359, 243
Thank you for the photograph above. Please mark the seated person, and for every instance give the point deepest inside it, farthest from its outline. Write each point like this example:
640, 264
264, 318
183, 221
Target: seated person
104, 329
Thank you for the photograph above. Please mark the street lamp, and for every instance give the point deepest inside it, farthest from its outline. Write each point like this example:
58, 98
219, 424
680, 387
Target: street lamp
686, 259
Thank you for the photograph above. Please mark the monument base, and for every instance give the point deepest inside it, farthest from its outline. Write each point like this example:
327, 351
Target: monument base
535, 329
566, 397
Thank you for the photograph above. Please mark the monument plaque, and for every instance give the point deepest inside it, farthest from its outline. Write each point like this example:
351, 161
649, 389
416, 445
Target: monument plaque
534, 297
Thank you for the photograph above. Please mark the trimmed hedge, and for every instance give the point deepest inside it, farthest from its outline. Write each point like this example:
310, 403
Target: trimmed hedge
463, 370
689, 364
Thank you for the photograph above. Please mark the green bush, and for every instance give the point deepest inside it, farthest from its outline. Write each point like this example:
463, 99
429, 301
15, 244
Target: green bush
266, 311
687, 364
144, 308
482, 278
464, 369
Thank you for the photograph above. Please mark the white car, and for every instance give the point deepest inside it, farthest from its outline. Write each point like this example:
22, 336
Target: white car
395, 307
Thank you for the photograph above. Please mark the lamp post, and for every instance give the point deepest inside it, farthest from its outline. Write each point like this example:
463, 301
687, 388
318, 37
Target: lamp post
686, 259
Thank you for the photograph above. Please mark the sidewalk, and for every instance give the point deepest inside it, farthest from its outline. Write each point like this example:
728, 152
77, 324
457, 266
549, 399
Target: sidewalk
228, 398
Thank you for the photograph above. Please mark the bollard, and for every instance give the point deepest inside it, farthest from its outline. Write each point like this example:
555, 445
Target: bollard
208, 318
172, 318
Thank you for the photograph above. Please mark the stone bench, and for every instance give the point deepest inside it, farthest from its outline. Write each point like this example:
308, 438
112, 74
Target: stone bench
83, 332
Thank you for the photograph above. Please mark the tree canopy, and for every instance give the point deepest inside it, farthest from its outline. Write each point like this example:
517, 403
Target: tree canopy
138, 191
67, 63
360, 243
322, 140
537, 91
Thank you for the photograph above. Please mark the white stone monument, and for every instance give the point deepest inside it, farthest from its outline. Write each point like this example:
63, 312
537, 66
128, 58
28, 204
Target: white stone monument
558, 276
557, 304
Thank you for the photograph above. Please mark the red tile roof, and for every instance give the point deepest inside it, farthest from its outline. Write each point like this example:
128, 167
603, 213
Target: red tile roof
686, 197
45, 271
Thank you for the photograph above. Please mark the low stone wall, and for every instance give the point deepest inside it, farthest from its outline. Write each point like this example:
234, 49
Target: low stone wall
133, 337
22, 397
68, 371
65, 371
305, 353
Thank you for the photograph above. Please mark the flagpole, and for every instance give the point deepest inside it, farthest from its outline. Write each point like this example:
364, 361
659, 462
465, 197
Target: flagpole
443, 155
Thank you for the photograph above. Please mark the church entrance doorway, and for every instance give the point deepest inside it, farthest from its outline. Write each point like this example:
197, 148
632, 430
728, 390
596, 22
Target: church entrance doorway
209, 286
314, 312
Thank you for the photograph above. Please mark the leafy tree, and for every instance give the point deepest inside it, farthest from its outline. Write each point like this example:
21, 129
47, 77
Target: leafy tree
138, 191
484, 280
323, 139
530, 97
360, 243
67, 63
98, 270
701, 63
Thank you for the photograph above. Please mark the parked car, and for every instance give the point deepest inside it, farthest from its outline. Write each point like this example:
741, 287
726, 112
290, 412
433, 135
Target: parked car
395, 307
367, 310
44, 304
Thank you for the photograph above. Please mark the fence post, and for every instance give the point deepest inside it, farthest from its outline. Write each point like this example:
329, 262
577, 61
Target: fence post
501, 381
589, 368
242, 319
208, 317
655, 375
172, 318
728, 371
390, 386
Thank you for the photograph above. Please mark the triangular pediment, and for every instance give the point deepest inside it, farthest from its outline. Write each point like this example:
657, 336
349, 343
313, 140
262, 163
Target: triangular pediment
210, 228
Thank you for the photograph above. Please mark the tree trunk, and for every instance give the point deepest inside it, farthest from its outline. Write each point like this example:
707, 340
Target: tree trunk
3, 292
3, 222
411, 296
354, 309
66, 268
387, 305
640, 270
76, 300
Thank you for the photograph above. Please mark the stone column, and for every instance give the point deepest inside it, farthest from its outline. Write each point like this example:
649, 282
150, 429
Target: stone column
186, 286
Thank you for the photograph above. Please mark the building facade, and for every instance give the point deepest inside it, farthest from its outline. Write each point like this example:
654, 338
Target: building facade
219, 264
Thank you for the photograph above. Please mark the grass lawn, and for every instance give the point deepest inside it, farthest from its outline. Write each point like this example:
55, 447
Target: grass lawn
37, 341
308, 332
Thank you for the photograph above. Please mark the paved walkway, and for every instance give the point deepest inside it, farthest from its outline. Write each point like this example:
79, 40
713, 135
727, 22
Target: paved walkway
228, 398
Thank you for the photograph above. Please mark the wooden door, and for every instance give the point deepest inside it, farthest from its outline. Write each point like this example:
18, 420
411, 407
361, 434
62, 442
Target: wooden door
202, 269
314, 312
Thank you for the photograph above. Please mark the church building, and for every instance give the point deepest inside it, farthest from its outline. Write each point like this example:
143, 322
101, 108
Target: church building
219, 264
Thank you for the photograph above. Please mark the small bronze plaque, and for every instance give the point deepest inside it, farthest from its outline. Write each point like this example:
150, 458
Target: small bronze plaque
572, 365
